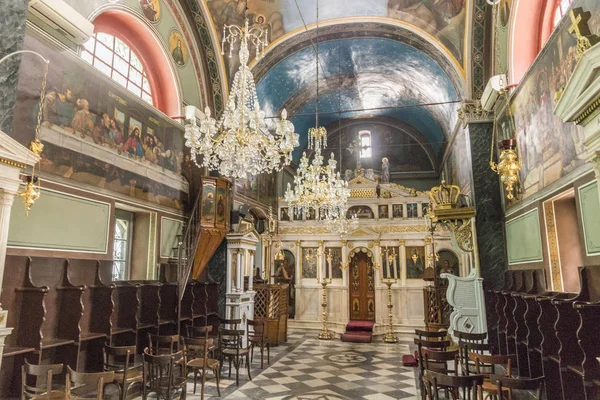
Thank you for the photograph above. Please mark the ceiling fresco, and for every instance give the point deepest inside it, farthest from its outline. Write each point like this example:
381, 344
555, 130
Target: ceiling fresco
362, 78
444, 20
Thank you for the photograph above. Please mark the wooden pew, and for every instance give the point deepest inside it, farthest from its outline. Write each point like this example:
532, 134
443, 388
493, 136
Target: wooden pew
499, 307
509, 312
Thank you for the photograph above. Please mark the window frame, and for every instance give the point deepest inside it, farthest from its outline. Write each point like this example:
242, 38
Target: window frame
366, 151
93, 58
130, 218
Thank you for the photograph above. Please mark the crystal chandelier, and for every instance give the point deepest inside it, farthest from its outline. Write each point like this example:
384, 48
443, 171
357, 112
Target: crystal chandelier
240, 142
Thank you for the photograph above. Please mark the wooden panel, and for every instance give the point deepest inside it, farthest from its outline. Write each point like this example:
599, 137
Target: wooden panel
590, 217
362, 288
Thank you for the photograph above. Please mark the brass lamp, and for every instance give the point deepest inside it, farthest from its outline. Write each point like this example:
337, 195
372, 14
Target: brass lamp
509, 166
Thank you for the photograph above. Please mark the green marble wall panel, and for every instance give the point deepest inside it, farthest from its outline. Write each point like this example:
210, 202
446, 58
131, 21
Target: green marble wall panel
59, 221
524, 238
590, 204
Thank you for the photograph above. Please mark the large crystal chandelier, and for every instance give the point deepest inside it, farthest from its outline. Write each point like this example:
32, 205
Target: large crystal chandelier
240, 142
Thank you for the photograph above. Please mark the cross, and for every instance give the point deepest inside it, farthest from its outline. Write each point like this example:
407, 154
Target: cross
579, 20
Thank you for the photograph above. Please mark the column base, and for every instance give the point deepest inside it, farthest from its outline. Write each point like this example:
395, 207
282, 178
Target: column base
325, 335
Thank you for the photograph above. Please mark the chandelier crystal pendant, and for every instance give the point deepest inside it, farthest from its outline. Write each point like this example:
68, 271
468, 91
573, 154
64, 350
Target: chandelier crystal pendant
241, 141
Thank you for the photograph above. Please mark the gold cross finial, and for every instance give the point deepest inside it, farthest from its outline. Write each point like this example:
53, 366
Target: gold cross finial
579, 20
581, 29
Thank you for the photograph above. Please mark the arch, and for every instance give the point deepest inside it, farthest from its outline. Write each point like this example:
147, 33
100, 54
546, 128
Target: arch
532, 23
161, 77
357, 250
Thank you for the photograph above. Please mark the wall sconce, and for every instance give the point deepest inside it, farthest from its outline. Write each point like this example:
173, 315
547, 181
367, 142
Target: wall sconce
509, 166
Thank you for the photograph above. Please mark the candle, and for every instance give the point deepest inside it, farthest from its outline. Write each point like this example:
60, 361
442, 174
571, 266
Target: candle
330, 266
395, 268
387, 263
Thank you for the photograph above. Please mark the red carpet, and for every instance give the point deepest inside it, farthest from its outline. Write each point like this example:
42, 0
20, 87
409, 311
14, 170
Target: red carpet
358, 332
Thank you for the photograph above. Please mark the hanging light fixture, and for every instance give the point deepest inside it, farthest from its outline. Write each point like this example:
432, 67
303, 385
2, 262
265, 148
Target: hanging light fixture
318, 186
240, 141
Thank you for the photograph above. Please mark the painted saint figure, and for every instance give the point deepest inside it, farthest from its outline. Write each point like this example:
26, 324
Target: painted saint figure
385, 170
178, 54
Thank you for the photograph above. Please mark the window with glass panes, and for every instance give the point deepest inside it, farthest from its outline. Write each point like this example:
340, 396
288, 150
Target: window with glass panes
365, 144
122, 245
561, 9
114, 58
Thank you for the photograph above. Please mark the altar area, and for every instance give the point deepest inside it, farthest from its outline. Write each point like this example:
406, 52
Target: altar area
391, 240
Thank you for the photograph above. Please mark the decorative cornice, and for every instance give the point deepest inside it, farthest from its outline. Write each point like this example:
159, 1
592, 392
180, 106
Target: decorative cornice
587, 112
471, 112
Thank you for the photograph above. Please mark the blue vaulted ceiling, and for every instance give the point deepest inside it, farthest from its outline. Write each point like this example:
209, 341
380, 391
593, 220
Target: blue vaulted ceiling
364, 78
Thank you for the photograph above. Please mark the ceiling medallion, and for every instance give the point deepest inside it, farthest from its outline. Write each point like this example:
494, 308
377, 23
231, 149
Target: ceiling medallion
241, 141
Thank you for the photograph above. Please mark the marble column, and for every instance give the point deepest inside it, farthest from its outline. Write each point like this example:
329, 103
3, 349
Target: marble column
13, 16
402, 261
240, 271
488, 203
298, 271
345, 262
251, 277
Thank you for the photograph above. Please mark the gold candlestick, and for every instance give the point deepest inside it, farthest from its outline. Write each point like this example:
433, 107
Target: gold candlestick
390, 337
325, 334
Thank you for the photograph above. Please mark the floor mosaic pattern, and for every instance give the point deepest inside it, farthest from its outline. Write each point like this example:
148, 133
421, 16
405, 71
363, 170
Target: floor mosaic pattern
308, 368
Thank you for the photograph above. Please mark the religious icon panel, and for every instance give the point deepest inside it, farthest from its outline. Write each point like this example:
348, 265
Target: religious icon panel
415, 262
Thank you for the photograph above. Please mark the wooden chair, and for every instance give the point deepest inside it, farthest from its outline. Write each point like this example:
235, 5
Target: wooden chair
465, 342
198, 332
431, 335
465, 348
530, 384
438, 342
158, 344
37, 373
486, 365
88, 382
434, 381
230, 343
164, 375
229, 323
437, 360
258, 337
196, 352
121, 360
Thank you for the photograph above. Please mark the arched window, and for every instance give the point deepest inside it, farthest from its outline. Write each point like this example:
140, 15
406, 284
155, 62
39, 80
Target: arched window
365, 144
560, 9
113, 57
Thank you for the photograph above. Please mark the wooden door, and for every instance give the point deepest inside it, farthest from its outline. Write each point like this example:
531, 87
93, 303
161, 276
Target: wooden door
362, 288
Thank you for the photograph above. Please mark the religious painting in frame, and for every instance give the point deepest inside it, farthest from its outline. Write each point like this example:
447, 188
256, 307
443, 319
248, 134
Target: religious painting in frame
383, 211
208, 203
415, 262
397, 210
309, 262
387, 262
361, 212
336, 261
221, 204
151, 9
448, 263
177, 48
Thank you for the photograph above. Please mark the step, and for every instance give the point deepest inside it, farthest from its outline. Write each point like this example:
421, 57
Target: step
357, 337
360, 326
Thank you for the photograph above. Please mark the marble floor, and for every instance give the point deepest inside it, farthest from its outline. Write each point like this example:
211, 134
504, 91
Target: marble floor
308, 368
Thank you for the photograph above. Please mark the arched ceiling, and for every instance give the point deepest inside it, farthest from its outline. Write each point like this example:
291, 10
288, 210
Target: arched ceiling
398, 60
362, 78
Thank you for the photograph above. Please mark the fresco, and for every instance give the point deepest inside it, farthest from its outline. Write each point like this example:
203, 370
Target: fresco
442, 19
177, 48
448, 263
261, 188
150, 9
548, 148
208, 203
458, 166
96, 132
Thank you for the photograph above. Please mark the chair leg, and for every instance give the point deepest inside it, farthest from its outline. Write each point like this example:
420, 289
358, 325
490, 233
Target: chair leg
195, 379
251, 352
229, 367
217, 373
262, 354
249, 376
203, 383
237, 372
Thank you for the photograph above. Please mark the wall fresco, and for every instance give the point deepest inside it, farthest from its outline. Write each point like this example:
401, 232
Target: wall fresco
458, 166
97, 133
549, 149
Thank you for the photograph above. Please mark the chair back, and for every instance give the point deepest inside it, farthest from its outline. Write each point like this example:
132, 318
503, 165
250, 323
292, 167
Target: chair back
87, 381
437, 360
256, 329
42, 376
197, 331
431, 335
230, 339
470, 337
435, 381
158, 344
119, 358
229, 323
160, 371
530, 384
485, 364
467, 347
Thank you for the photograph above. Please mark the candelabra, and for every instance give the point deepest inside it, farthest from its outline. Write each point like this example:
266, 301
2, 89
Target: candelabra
390, 337
325, 334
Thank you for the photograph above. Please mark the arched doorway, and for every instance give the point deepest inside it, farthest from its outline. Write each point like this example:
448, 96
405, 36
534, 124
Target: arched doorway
362, 285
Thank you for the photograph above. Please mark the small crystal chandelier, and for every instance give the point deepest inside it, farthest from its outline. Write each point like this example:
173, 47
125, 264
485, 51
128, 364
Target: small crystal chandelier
240, 141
